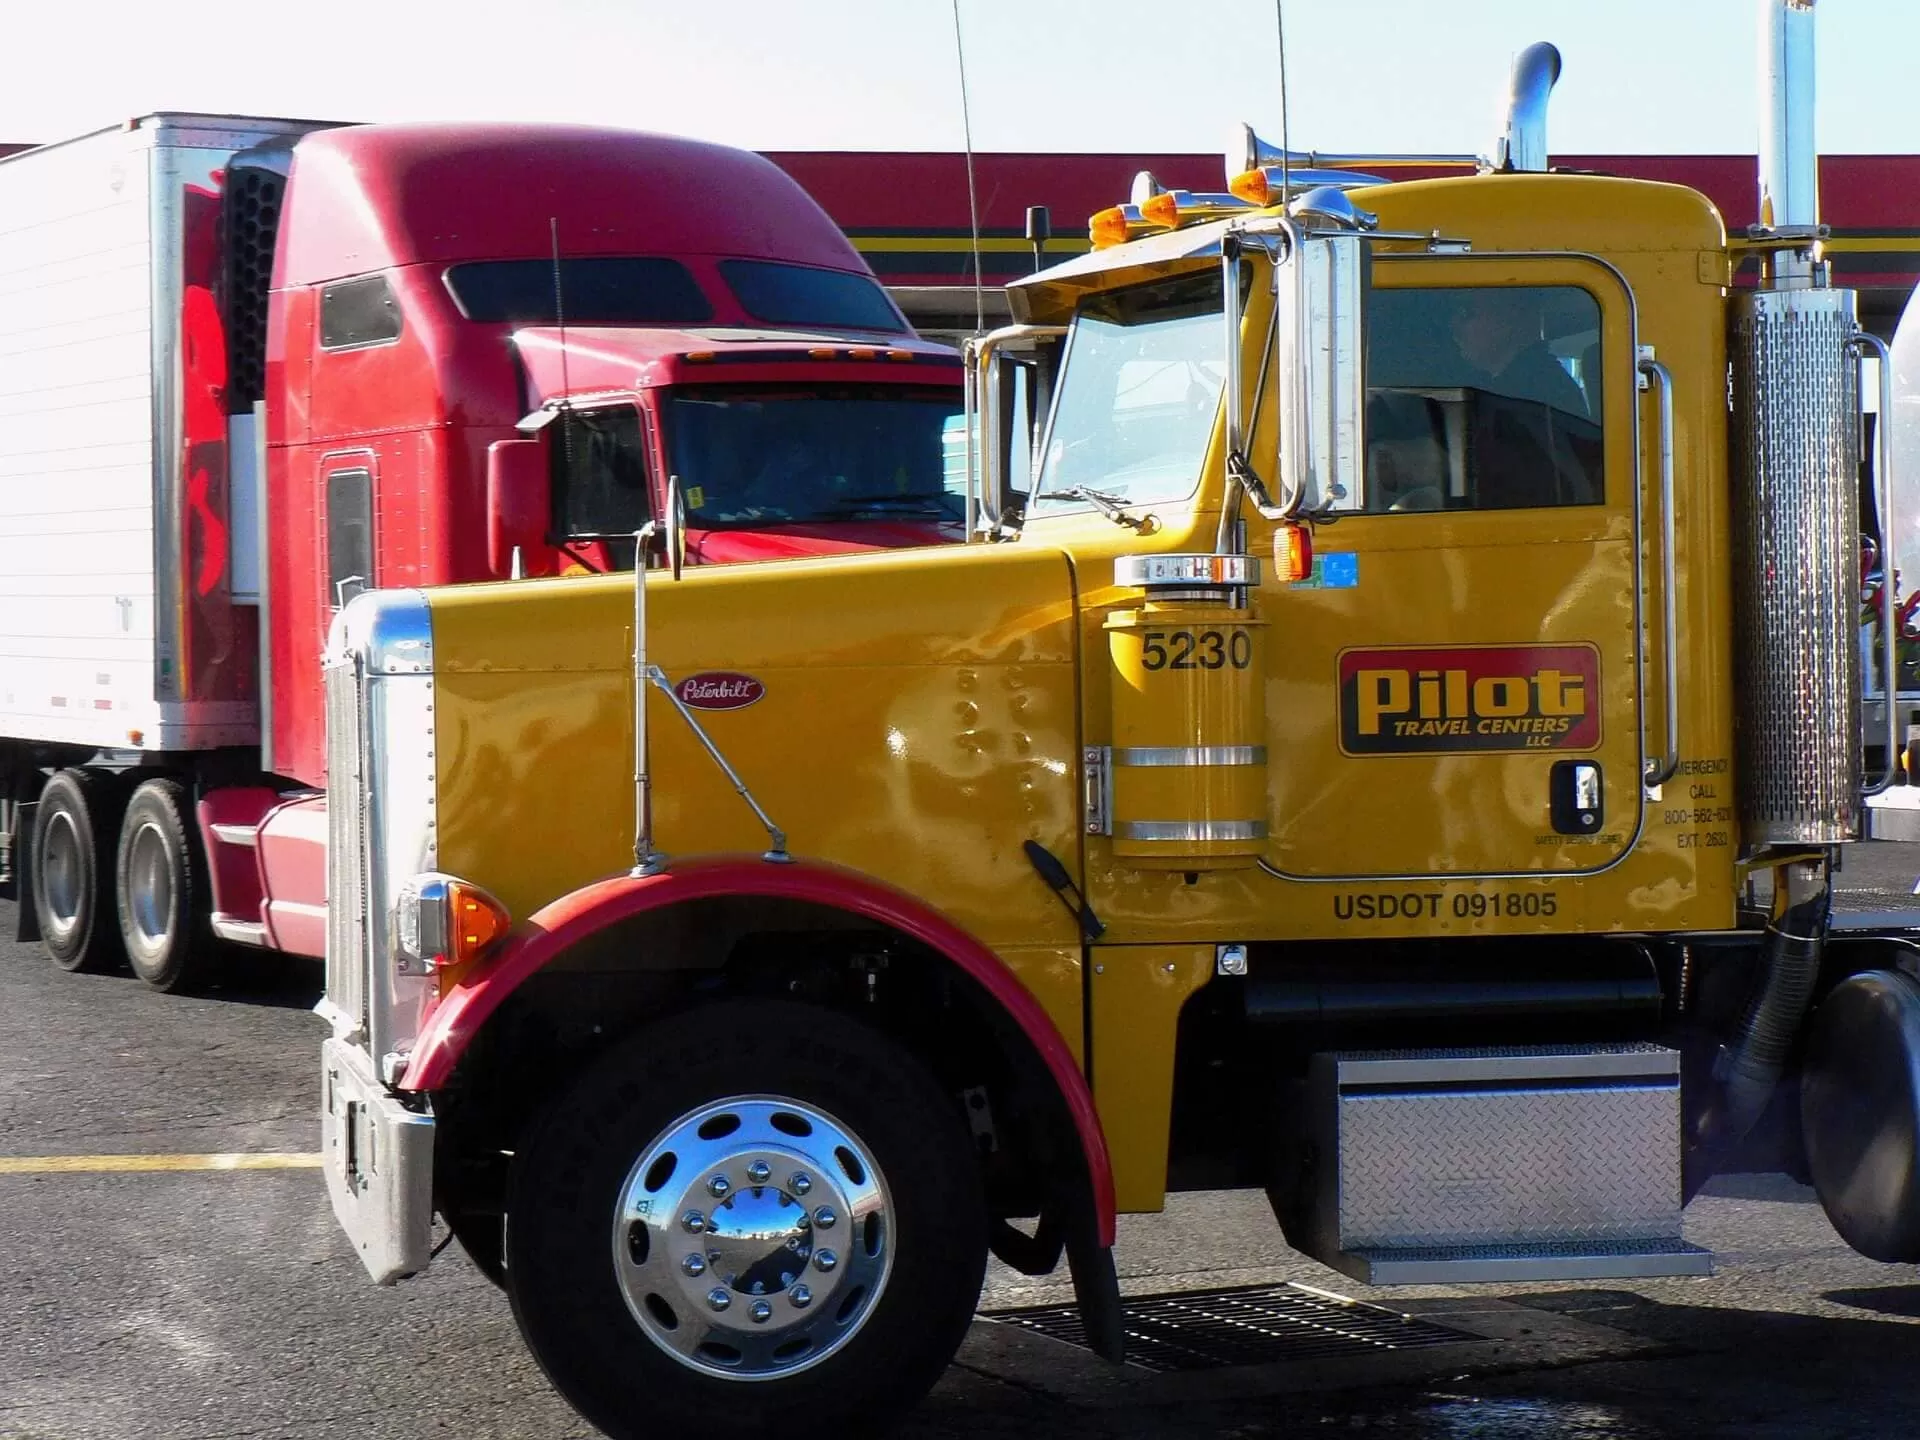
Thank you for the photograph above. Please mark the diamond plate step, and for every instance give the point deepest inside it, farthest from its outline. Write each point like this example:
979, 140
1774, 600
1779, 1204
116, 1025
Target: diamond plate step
1477, 1264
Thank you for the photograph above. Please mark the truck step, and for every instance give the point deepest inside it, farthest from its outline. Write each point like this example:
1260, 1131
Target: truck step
1522, 1163
1477, 1264
240, 932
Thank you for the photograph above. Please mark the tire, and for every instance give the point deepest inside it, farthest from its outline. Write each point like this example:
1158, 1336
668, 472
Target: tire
599, 1233
73, 834
160, 890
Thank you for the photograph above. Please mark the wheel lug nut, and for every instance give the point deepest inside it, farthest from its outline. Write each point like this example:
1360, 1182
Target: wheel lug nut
825, 1218
718, 1298
758, 1172
801, 1182
825, 1260
799, 1297
694, 1264
718, 1186
761, 1312
693, 1222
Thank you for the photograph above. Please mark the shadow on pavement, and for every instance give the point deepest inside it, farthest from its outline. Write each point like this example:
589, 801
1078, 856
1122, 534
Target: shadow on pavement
1718, 1374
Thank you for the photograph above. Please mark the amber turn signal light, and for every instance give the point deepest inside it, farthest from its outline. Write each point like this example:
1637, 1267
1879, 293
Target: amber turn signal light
441, 921
1293, 552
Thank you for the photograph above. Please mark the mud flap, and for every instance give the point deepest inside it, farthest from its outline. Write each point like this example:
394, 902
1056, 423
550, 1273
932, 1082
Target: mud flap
19, 889
1096, 1292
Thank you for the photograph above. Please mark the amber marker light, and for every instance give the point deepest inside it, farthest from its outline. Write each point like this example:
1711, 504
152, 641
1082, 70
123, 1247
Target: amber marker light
1293, 552
478, 921
1109, 227
441, 922
1252, 186
1162, 209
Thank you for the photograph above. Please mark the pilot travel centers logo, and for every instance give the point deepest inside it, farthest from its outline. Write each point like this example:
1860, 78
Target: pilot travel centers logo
1469, 699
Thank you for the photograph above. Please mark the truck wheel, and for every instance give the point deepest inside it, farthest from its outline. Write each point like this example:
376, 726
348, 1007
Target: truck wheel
161, 890
72, 878
758, 1218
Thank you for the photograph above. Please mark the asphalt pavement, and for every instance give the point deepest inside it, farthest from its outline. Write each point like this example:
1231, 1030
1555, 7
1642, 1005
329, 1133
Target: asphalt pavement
210, 1303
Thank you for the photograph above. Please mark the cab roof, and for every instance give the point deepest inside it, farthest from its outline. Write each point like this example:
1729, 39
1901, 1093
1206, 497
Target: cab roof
371, 197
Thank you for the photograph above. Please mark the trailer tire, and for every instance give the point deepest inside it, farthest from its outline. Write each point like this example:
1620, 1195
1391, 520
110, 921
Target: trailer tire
160, 890
757, 1329
73, 830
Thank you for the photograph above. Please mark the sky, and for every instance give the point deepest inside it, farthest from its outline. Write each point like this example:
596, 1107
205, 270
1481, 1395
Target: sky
1640, 76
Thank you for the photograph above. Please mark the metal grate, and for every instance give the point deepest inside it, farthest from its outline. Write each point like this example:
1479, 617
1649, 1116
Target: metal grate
1253, 1325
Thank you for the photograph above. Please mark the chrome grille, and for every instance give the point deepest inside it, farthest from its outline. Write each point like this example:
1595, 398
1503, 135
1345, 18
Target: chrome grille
346, 842
1797, 580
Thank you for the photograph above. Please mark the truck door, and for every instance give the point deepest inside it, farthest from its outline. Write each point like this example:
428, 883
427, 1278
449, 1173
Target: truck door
1458, 689
347, 497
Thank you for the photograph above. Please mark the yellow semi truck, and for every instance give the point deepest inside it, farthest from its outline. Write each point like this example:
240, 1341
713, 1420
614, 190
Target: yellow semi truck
1392, 752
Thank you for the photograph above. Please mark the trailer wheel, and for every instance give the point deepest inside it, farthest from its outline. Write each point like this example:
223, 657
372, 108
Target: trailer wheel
758, 1218
72, 875
161, 890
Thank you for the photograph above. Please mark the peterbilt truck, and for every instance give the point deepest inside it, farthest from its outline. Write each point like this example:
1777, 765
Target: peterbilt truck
1392, 754
251, 367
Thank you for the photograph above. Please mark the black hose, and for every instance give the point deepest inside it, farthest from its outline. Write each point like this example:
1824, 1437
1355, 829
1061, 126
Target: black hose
1750, 1067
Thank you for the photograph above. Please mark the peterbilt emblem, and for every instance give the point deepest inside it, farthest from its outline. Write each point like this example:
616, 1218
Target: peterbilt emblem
719, 690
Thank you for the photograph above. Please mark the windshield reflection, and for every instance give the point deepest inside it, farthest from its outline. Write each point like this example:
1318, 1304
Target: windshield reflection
1139, 391
760, 456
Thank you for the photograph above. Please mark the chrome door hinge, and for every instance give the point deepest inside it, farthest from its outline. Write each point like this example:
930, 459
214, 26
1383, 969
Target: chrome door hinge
1096, 764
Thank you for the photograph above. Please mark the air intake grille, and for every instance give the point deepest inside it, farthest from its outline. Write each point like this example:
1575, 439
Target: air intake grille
252, 219
346, 848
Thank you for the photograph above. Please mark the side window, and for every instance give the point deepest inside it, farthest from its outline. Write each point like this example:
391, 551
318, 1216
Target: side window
358, 312
600, 486
349, 535
1484, 398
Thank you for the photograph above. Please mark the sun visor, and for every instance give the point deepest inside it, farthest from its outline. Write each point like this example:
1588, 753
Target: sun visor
1051, 296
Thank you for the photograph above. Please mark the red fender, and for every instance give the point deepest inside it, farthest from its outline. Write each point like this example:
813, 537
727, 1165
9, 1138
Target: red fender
572, 918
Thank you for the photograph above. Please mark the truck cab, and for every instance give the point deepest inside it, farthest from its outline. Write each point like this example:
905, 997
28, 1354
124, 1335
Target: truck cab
333, 358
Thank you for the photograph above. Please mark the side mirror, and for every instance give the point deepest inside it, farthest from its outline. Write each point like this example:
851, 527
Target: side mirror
1011, 392
519, 500
1006, 400
1320, 312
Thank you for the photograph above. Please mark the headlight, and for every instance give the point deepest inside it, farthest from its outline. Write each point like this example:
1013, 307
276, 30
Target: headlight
440, 921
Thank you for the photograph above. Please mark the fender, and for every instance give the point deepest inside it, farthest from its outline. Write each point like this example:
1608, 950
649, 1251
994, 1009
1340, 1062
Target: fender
566, 922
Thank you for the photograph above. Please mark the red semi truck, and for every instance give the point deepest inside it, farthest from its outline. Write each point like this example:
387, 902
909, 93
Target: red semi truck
250, 367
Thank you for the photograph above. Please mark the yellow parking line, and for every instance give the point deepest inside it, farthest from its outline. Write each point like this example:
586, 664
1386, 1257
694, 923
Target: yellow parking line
123, 1164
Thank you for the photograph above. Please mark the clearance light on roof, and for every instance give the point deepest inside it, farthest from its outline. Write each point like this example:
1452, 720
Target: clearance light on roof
1172, 209
1115, 225
1265, 185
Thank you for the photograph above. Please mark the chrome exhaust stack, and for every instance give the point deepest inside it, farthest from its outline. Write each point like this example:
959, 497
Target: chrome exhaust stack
1523, 144
1796, 347
1789, 159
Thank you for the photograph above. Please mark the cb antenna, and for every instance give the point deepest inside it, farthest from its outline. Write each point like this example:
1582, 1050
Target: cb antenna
1286, 143
973, 197
560, 308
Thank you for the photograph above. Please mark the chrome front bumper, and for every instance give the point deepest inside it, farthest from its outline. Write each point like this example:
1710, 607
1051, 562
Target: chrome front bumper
379, 1164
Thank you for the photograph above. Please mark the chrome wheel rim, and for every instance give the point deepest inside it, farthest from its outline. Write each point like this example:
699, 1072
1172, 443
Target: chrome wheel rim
150, 885
62, 867
753, 1238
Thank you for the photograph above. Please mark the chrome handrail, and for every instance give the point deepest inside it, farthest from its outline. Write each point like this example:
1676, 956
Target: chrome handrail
1889, 597
1659, 772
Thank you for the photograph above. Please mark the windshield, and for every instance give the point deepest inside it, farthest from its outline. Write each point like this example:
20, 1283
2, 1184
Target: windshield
785, 456
1139, 389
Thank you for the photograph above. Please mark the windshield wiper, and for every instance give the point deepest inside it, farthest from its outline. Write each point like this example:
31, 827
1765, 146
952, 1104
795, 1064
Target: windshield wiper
929, 506
1110, 506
